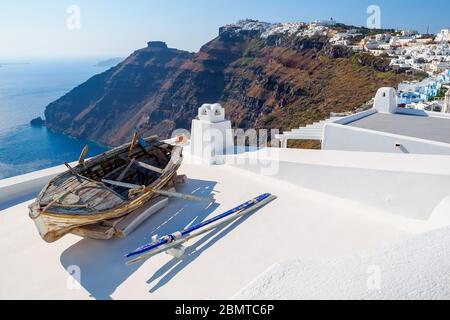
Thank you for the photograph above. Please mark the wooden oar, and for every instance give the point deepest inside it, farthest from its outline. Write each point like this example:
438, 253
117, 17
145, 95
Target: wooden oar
175, 240
143, 189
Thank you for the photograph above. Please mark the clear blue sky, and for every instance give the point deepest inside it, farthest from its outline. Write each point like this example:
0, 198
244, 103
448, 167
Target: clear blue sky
35, 29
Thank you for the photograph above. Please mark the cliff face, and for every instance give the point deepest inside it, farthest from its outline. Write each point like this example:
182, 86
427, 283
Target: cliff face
110, 105
272, 82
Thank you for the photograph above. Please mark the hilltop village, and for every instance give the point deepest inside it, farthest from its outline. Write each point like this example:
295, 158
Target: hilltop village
406, 50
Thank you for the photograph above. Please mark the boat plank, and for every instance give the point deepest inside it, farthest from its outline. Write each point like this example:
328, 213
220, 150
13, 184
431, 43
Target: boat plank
97, 232
125, 171
160, 157
63, 184
50, 196
149, 167
133, 220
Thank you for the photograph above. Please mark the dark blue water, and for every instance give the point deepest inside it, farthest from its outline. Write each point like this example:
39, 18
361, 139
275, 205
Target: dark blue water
25, 91
27, 149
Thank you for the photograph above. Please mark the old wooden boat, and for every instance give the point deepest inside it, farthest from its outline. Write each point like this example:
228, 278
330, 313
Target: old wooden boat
99, 189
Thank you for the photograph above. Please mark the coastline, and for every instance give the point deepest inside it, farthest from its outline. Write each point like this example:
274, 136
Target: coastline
48, 149
26, 89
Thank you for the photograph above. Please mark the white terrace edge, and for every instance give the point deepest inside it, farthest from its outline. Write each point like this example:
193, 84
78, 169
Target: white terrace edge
17, 188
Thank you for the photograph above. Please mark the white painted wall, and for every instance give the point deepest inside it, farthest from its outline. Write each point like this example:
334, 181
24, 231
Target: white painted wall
410, 269
338, 136
210, 141
345, 138
20, 188
412, 186
211, 134
355, 117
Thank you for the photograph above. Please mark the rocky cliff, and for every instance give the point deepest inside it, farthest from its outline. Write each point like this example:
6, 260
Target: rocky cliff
265, 77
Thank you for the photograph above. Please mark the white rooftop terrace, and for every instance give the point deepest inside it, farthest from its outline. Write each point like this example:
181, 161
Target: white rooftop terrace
331, 205
390, 129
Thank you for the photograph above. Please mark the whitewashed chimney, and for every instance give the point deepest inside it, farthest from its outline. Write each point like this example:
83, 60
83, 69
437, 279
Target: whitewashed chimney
386, 100
211, 135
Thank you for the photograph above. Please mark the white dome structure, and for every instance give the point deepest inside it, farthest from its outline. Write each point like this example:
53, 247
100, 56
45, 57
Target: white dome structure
211, 112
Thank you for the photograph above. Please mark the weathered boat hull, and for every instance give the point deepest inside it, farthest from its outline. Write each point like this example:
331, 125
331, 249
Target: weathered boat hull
55, 222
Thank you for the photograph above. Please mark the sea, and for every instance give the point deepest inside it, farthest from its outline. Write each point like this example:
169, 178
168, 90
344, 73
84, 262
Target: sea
26, 88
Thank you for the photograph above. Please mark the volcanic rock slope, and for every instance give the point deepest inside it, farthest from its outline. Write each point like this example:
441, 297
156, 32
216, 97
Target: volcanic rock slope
265, 77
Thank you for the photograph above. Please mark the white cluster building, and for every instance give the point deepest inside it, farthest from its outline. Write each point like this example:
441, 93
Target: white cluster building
430, 58
289, 29
345, 38
407, 49
410, 51
424, 95
443, 36
298, 29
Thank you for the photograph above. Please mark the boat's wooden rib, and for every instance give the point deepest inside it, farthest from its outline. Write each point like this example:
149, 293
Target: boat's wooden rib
149, 167
125, 171
83, 155
78, 198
